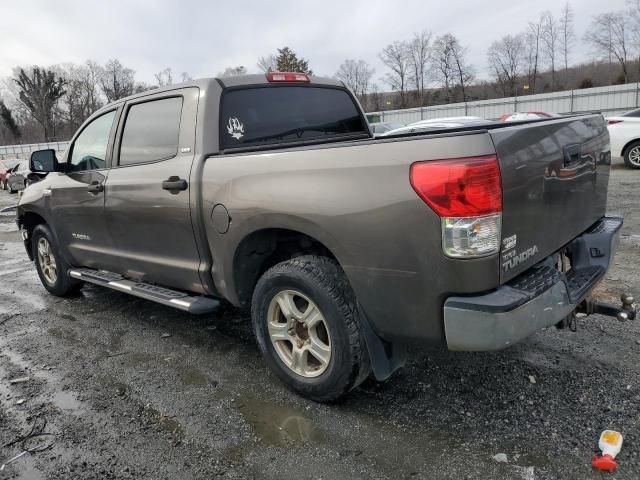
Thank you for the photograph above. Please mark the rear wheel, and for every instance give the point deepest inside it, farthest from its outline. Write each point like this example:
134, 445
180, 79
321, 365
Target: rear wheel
52, 268
632, 155
307, 327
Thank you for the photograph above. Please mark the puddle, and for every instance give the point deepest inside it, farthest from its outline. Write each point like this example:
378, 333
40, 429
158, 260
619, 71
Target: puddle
66, 400
279, 425
192, 376
63, 334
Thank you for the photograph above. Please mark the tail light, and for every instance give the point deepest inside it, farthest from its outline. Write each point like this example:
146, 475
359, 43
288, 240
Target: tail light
466, 193
288, 77
613, 122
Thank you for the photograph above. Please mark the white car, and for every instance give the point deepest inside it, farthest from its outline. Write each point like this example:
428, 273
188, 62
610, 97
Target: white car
624, 132
436, 124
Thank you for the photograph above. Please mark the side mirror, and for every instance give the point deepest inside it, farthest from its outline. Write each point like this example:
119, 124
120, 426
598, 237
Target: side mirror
43, 161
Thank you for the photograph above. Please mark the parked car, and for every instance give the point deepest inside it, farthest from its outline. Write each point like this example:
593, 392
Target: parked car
624, 131
5, 167
269, 191
517, 116
437, 124
21, 176
383, 127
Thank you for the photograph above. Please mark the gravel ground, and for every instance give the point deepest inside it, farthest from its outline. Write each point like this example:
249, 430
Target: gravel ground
127, 389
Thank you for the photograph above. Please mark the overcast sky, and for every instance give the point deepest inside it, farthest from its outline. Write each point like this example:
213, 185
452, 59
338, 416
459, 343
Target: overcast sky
203, 37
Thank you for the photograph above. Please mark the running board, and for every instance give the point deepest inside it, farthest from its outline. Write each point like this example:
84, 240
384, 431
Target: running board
173, 298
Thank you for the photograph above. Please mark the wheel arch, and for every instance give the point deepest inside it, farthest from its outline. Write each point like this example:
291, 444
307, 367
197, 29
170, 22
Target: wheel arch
260, 249
628, 145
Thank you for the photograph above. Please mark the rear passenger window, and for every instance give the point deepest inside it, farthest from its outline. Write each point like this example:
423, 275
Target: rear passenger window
151, 131
284, 114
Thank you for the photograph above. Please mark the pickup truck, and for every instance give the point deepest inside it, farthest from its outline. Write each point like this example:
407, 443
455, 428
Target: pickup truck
271, 193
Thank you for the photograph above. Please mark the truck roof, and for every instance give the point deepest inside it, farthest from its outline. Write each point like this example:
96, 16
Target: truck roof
226, 82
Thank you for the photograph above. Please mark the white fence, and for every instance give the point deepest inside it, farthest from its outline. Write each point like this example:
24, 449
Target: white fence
24, 151
608, 100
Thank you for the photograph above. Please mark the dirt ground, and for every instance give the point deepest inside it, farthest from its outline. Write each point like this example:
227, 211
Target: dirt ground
127, 389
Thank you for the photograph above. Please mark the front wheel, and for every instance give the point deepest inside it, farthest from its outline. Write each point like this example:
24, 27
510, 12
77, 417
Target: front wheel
307, 326
52, 268
632, 155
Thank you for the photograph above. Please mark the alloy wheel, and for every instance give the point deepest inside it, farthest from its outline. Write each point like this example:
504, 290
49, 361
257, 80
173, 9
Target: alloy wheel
299, 333
47, 261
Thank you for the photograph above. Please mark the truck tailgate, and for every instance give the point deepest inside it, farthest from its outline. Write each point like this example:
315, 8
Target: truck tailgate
554, 177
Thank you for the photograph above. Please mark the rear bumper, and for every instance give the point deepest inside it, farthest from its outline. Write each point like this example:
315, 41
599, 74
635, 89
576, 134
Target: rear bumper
540, 297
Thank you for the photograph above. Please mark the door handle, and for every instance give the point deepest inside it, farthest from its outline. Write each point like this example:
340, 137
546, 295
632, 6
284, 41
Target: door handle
95, 187
175, 184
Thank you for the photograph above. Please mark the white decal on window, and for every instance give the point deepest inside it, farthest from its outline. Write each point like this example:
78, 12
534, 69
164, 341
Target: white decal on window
235, 128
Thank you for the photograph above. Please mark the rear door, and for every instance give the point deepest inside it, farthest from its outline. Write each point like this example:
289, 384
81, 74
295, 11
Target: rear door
554, 176
147, 194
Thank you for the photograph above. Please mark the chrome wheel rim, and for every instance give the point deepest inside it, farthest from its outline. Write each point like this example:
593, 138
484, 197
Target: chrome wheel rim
634, 156
299, 333
47, 261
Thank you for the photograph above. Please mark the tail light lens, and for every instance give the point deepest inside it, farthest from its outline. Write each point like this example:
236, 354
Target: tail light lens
467, 194
613, 122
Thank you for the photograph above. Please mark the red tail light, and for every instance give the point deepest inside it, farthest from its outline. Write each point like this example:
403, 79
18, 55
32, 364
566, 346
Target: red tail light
613, 122
459, 187
288, 77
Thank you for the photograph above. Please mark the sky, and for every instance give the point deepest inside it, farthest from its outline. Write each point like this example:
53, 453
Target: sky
204, 37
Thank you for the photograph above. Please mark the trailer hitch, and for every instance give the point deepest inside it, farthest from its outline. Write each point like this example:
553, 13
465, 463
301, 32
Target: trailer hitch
626, 311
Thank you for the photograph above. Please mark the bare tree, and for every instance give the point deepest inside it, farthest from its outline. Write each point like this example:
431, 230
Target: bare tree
609, 38
449, 67
39, 91
532, 44
267, 64
506, 57
396, 57
117, 81
550, 43
464, 71
233, 71
356, 74
164, 77
567, 34
419, 56
634, 26
82, 94
185, 77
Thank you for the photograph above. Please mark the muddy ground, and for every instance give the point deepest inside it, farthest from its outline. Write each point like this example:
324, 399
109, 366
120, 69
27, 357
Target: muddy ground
127, 389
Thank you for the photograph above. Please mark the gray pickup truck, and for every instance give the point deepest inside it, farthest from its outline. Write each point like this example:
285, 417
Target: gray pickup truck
270, 192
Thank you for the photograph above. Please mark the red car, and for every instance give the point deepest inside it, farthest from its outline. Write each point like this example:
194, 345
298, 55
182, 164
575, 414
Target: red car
5, 167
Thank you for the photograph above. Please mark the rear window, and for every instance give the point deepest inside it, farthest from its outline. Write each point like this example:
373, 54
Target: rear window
285, 114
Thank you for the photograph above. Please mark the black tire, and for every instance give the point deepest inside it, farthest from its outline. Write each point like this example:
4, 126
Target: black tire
628, 161
63, 285
323, 282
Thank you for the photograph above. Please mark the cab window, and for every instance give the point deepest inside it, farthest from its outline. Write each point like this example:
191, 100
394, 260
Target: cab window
89, 151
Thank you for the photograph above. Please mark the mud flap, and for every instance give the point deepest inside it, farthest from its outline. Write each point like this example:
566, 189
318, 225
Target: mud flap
385, 357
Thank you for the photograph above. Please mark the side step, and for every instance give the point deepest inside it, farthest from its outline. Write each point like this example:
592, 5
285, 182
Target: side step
173, 298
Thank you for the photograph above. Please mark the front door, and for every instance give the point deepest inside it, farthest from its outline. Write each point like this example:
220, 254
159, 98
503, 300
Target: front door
147, 203
77, 196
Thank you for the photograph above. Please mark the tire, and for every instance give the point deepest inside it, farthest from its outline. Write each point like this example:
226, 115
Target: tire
11, 190
51, 267
632, 155
321, 283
